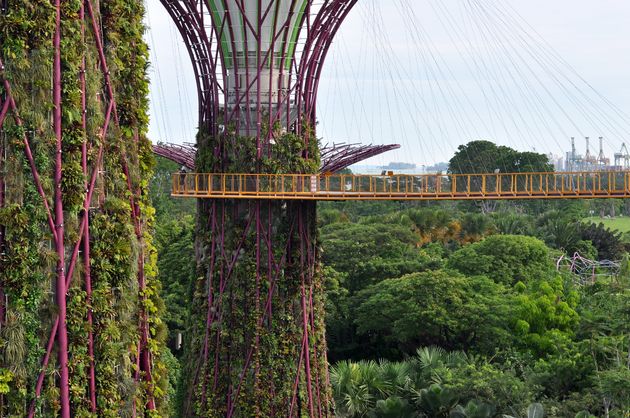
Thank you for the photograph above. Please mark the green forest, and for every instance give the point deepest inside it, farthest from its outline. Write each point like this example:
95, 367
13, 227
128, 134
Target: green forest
454, 309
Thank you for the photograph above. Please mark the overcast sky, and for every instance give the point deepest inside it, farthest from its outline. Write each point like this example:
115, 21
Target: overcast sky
433, 74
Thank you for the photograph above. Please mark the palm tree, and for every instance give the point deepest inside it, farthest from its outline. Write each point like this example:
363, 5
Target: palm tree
366, 388
359, 386
436, 401
432, 363
474, 409
394, 407
535, 410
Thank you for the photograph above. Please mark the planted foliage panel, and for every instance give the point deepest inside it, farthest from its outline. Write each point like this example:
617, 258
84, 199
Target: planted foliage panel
80, 333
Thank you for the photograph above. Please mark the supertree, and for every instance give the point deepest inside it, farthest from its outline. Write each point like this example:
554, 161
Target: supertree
256, 344
79, 327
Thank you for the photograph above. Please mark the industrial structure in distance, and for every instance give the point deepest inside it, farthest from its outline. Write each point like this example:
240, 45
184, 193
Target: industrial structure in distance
573, 161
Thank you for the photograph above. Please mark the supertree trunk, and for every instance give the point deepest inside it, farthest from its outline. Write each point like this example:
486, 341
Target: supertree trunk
80, 334
256, 344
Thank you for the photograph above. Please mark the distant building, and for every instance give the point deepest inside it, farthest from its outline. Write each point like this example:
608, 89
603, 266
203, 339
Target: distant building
399, 166
437, 168
557, 162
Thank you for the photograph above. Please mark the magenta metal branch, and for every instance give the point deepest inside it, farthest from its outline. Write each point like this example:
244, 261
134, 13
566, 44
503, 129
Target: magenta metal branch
334, 158
40, 378
96, 32
72, 263
29, 156
2, 199
86, 214
297, 376
213, 313
266, 311
305, 322
181, 154
4, 111
62, 333
145, 355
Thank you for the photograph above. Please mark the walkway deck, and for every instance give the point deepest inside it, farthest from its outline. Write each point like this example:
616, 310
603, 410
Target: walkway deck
578, 185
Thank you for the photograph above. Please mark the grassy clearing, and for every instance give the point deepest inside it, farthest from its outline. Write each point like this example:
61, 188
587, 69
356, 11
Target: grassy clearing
622, 224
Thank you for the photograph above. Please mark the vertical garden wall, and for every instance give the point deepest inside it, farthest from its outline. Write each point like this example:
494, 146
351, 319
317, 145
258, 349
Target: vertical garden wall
256, 341
80, 333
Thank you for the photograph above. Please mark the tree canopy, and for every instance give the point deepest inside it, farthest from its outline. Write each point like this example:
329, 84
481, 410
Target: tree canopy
486, 157
435, 307
506, 259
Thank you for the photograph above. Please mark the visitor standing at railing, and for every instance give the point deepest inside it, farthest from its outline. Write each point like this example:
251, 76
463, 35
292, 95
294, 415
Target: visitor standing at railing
182, 177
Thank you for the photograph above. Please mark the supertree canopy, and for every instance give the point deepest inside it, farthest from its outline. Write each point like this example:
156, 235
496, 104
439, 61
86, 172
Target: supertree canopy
257, 62
256, 343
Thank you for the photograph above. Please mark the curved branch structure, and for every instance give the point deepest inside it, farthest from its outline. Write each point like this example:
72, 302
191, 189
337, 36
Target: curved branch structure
334, 158
256, 343
183, 155
257, 62
337, 157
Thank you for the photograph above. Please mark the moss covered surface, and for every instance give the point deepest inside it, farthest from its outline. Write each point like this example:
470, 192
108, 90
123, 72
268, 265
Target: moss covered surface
254, 262
27, 263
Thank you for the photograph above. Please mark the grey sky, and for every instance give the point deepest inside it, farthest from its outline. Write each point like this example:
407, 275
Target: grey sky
432, 74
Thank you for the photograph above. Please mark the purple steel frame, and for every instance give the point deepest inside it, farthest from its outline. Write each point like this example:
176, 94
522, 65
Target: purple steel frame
201, 35
223, 373
58, 337
4, 107
334, 158
183, 155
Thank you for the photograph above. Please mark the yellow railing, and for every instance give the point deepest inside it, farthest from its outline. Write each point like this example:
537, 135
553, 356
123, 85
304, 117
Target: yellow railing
599, 184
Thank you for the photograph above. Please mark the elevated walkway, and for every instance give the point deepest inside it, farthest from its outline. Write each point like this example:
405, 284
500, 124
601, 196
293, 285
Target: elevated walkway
495, 186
